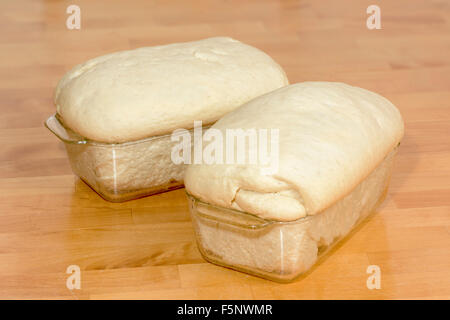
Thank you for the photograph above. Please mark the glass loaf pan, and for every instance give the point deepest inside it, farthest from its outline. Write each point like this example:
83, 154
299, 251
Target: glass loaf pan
282, 251
122, 171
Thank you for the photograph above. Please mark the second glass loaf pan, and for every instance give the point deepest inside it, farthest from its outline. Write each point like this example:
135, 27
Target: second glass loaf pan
282, 251
123, 171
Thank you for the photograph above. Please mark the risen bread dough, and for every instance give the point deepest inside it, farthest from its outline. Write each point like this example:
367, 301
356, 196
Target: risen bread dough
129, 95
331, 137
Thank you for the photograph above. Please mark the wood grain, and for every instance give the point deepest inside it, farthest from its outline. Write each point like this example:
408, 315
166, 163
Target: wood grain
145, 248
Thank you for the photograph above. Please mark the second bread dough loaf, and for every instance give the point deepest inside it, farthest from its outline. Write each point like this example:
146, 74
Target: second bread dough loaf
331, 137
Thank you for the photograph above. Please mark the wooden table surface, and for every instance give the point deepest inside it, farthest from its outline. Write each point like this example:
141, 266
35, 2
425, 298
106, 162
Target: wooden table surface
145, 248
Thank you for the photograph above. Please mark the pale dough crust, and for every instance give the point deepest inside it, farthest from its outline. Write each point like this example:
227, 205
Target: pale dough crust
134, 94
